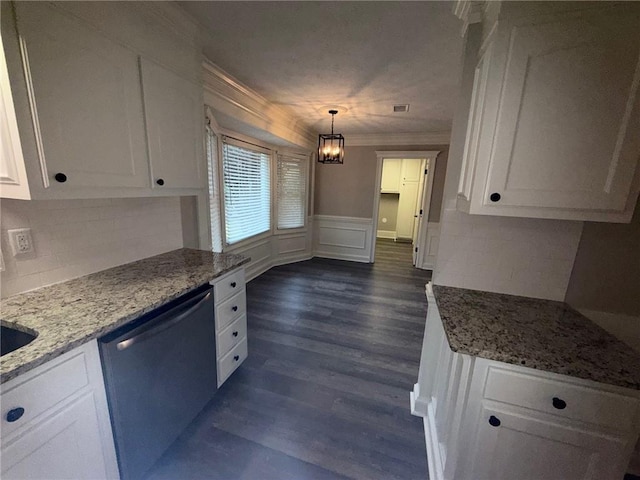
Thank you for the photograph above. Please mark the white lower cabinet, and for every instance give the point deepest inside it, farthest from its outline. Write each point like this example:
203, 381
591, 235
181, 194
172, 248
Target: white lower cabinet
230, 299
516, 443
489, 420
63, 431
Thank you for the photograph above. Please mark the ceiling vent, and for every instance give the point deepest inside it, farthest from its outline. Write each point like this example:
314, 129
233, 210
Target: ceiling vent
401, 108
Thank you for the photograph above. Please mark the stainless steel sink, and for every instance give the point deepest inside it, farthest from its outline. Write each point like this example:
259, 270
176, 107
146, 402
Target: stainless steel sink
12, 339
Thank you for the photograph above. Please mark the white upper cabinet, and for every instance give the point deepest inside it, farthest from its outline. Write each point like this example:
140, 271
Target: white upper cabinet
96, 117
555, 116
13, 175
175, 124
391, 173
86, 95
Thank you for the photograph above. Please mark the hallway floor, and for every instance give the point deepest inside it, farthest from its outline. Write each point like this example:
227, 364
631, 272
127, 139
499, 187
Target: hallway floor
334, 350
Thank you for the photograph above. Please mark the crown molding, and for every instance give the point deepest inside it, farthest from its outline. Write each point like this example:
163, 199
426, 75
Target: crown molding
369, 140
228, 95
469, 11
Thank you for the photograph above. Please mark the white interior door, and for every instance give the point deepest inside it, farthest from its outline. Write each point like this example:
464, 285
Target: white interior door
419, 211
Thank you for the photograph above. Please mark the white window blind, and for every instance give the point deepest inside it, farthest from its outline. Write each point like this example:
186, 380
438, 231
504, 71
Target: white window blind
247, 192
292, 181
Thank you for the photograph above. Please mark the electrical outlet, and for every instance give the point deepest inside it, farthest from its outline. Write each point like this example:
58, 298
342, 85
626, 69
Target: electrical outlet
20, 241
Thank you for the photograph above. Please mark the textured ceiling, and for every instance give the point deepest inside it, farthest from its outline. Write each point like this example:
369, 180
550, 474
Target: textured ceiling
365, 56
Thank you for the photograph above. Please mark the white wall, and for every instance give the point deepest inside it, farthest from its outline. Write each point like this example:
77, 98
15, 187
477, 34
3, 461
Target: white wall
77, 237
518, 256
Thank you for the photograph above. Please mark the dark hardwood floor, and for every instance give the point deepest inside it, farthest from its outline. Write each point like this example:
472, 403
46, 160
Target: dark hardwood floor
334, 349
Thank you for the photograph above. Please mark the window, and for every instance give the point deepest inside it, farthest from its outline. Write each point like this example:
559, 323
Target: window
247, 192
292, 192
214, 189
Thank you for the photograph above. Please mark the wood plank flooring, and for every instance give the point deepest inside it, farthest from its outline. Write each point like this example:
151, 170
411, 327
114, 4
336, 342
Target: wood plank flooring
334, 350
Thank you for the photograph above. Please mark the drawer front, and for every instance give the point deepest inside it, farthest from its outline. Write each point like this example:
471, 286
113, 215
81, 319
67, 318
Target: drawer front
567, 400
231, 361
231, 336
59, 381
230, 309
228, 285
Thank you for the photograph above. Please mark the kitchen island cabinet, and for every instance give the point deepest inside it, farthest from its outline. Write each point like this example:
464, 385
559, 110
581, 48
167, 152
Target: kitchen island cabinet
55, 421
513, 387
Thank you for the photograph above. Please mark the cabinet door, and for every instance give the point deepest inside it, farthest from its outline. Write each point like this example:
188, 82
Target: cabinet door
86, 99
65, 445
13, 175
569, 114
530, 448
391, 168
411, 170
175, 126
407, 209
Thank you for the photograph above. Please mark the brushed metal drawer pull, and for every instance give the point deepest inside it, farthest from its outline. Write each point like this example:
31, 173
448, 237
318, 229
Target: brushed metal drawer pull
559, 403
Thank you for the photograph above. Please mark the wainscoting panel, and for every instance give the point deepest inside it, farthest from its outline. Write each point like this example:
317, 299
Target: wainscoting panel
260, 253
293, 243
343, 238
269, 251
431, 246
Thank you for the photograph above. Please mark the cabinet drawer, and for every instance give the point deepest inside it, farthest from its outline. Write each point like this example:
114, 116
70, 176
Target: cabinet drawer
553, 397
231, 361
59, 381
228, 285
231, 336
230, 309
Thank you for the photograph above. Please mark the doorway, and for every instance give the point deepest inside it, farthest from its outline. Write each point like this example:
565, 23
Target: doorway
402, 199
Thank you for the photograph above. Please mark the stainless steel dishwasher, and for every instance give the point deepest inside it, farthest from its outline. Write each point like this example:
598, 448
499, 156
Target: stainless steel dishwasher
160, 371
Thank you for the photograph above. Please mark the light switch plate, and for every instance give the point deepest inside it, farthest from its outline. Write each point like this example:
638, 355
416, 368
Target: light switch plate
20, 241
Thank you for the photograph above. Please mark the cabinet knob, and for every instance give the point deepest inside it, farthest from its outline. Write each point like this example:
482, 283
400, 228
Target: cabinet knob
236, 357
60, 177
494, 421
15, 414
234, 308
235, 334
160, 181
495, 197
559, 403
233, 284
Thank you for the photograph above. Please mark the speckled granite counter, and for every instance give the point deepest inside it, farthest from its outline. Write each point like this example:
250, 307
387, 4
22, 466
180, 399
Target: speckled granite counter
69, 314
540, 334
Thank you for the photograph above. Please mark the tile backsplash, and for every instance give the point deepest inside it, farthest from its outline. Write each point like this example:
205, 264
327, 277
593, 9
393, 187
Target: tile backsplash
77, 237
517, 256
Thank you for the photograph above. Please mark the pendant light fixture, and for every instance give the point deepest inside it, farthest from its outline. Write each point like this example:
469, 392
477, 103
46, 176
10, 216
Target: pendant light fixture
331, 145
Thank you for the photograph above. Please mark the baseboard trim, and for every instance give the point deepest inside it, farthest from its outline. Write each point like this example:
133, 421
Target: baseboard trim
387, 234
342, 256
419, 405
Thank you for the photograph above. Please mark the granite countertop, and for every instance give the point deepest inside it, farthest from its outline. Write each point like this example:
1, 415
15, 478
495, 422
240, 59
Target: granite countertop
69, 314
534, 333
